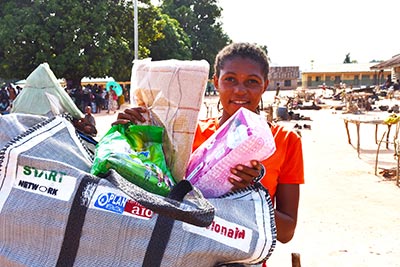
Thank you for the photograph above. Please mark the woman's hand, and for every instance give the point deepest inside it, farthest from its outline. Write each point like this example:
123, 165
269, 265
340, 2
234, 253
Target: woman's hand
133, 115
247, 174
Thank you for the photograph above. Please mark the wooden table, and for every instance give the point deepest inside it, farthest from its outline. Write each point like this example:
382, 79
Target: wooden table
358, 120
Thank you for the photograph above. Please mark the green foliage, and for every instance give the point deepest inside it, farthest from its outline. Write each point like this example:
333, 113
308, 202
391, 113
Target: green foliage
95, 38
78, 38
200, 21
175, 43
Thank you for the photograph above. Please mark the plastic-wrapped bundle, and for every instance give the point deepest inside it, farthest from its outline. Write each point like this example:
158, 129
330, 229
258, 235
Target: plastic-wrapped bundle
244, 137
173, 91
43, 95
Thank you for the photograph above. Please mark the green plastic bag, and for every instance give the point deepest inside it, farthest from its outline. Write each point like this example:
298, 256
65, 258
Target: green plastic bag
136, 153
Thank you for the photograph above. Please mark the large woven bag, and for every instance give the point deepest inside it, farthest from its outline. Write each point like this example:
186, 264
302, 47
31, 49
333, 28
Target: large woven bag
53, 212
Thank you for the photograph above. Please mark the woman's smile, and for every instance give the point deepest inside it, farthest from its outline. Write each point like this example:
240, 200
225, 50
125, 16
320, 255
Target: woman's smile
240, 84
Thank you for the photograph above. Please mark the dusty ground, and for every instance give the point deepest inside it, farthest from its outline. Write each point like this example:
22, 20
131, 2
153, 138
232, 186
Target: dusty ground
347, 216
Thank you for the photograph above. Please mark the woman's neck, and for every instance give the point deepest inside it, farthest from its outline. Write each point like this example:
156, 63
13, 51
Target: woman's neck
225, 116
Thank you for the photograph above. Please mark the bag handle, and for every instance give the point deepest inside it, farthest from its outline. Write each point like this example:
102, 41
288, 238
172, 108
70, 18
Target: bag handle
163, 229
194, 209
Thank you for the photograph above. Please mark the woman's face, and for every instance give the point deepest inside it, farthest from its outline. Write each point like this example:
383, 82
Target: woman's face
241, 84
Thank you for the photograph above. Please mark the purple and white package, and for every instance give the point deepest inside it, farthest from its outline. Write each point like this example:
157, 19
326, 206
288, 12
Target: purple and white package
244, 137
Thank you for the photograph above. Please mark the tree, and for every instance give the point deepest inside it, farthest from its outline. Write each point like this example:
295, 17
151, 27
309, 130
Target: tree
151, 24
174, 44
376, 61
347, 59
200, 20
92, 38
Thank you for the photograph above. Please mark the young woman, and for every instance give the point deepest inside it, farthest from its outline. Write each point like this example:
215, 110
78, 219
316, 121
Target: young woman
241, 78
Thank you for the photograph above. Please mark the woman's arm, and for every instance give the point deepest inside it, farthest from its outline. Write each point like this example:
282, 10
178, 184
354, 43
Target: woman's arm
287, 202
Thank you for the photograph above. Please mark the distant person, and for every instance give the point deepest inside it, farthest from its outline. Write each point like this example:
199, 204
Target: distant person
4, 101
77, 94
208, 90
87, 125
89, 116
4, 106
104, 96
4, 93
126, 95
278, 88
120, 100
98, 99
11, 93
112, 100
86, 97
276, 97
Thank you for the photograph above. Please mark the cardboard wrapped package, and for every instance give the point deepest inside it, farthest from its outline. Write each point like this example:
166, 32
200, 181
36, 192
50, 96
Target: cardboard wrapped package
244, 137
173, 91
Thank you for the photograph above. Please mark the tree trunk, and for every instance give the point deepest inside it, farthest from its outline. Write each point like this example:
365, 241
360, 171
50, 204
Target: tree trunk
73, 82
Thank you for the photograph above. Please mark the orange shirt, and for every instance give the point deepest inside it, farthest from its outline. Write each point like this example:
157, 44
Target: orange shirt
285, 166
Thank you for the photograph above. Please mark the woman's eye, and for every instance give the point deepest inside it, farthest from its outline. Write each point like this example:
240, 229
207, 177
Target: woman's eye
229, 79
253, 82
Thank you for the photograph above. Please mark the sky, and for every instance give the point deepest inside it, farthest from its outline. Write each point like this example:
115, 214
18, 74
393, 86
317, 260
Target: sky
323, 31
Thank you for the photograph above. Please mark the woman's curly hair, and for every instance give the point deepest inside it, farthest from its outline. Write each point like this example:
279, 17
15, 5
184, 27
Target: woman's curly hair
245, 50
